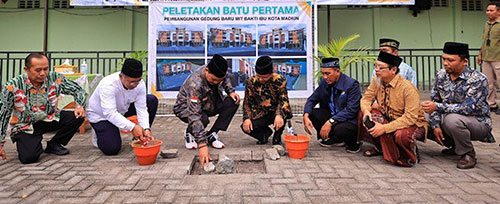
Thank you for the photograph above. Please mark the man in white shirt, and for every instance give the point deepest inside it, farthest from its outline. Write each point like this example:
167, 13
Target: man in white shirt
118, 96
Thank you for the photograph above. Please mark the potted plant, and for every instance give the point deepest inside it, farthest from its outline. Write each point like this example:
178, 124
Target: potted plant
342, 48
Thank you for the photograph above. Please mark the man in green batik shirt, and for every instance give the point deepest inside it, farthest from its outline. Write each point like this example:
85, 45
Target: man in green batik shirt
29, 104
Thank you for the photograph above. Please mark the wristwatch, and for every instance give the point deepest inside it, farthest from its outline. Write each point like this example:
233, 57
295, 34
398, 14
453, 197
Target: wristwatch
331, 120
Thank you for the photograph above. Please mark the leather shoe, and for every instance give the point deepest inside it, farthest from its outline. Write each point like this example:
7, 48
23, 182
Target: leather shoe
57, 149
263, 141
449, 151
276, 140
466, 162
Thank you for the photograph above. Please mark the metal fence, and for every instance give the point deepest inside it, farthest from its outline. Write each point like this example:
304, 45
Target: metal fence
426, 62
12, 63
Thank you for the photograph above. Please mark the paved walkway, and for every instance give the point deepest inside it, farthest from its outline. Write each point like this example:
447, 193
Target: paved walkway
324, 176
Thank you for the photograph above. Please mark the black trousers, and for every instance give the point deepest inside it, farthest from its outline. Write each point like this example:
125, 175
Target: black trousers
262, 130
225, 110
342, 131
108, 135
29, 146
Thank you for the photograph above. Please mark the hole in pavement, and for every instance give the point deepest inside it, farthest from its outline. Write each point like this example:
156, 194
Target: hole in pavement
239, 167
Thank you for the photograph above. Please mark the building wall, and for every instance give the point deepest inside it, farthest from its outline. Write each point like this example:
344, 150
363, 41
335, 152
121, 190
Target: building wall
105, 29
430, 29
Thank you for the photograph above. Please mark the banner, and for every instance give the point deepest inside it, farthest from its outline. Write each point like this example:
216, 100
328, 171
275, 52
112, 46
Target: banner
365, 2
109, 2
183, 37
321, 2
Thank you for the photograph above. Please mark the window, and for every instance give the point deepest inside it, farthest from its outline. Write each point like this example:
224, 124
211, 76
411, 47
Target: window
62, 4
28, 4
439, 3
471, 5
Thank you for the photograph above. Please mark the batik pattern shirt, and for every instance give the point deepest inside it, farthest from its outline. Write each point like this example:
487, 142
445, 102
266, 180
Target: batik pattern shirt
465, 96
262, 99
24, 105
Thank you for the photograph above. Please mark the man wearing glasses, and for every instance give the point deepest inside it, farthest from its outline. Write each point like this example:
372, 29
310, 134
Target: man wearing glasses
118, 96
393, 128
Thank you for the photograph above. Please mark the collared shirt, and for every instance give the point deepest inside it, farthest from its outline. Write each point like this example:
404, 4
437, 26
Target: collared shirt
466, 95
346, 99
399, 101
25, 105
407, 72
264, 98
110, 101
196, 96
491, 52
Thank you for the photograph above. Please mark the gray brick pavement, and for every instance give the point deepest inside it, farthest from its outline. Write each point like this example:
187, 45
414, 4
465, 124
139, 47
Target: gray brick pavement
326, 175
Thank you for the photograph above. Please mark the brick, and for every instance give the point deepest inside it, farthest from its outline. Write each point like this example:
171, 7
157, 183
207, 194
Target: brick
299, 196
6, 194
280, 190
63, 194
67, 175
74, 180
232, 196
83, 185
118, 187
275, 200
302, 186
142, 185
72, 200
92, 190
132, 179
15, 180
365, 196
208, 199
283, 181
56, 187
167, 197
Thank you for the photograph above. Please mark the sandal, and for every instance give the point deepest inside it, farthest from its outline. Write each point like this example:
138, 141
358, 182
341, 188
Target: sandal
372, 152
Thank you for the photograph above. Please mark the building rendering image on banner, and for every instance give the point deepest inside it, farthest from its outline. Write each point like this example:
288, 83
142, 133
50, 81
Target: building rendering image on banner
295, 71
231, 40
171, 73
180, 40
282, 41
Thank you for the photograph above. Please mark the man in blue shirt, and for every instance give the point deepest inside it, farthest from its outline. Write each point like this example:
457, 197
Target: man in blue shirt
391, 46
459, 111
338, 96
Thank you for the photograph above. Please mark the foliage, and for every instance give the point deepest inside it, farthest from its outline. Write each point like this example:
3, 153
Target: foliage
138, 55
341, 48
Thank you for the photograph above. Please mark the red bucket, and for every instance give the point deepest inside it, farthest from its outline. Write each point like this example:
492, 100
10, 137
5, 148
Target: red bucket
297, 145
146, 155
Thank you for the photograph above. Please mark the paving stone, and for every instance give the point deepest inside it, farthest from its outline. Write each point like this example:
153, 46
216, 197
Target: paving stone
272, 154
299, 196
275, 200
167, 197
323, 176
